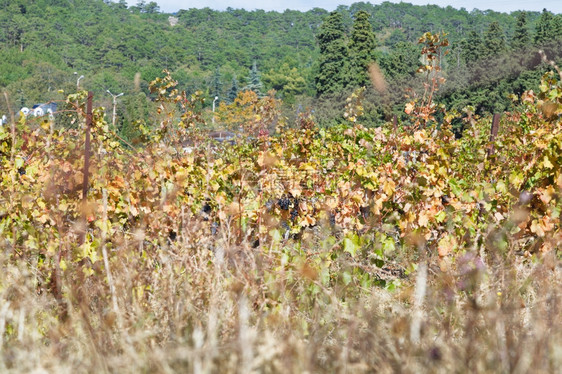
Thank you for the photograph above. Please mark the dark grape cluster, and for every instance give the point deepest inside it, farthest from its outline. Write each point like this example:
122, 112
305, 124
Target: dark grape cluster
285, 225
294, 214
21, 171
284, 203
206, 208
172, 235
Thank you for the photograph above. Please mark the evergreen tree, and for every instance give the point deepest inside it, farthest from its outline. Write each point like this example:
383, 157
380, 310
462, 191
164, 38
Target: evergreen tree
471, 48
254, 81
403, 60
494, 40
139, 7
362, 46
233, 92
521, 36
546, 28
333, 55
558, 26
151, 8
216, 84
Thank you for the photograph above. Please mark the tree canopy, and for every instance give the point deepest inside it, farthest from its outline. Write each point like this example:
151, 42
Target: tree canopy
302, 55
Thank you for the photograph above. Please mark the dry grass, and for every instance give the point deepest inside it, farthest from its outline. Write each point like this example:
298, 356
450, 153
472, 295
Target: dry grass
207, 305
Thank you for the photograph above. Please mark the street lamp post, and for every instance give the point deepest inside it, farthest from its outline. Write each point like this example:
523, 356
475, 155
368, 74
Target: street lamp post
78, 81
216, 98
114, 105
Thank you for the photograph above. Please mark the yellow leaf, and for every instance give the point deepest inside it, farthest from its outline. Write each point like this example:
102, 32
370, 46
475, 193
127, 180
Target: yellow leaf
423, 219
536, 228
78, 178
388, 187
409, 108
444, 264
546, 194
331, 202
214, 185
296, 190
547, 224
419, 136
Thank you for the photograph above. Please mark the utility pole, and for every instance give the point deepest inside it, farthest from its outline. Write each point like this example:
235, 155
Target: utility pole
114, 105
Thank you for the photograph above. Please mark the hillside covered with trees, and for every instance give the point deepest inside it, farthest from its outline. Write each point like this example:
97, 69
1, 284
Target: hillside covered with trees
44, 43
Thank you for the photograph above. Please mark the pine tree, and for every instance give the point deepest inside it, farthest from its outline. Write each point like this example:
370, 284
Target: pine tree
471, 48
494, 40
254, 81
362, 46
558, 26
521, 36
331, 76
216, 84
233, 92
545, 28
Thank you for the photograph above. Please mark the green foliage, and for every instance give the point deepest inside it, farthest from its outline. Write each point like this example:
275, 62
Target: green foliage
233, 91
471, 48
333, 60
216, 85
521, 37
402, 61
493, 42
132, 113
546, 28
362, 44
286, 80
254, 81
44, 42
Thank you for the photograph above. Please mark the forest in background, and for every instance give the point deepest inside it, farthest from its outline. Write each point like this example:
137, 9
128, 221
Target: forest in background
48, 44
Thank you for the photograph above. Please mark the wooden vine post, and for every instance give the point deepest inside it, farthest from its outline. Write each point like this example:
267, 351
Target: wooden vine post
86, 171
494, 132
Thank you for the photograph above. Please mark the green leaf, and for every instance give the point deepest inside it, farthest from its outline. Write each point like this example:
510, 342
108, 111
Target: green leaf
501, 187
351, 244
19, 162
440, 217
516, 179
275, 236
388, 244
346, 277
455, 188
